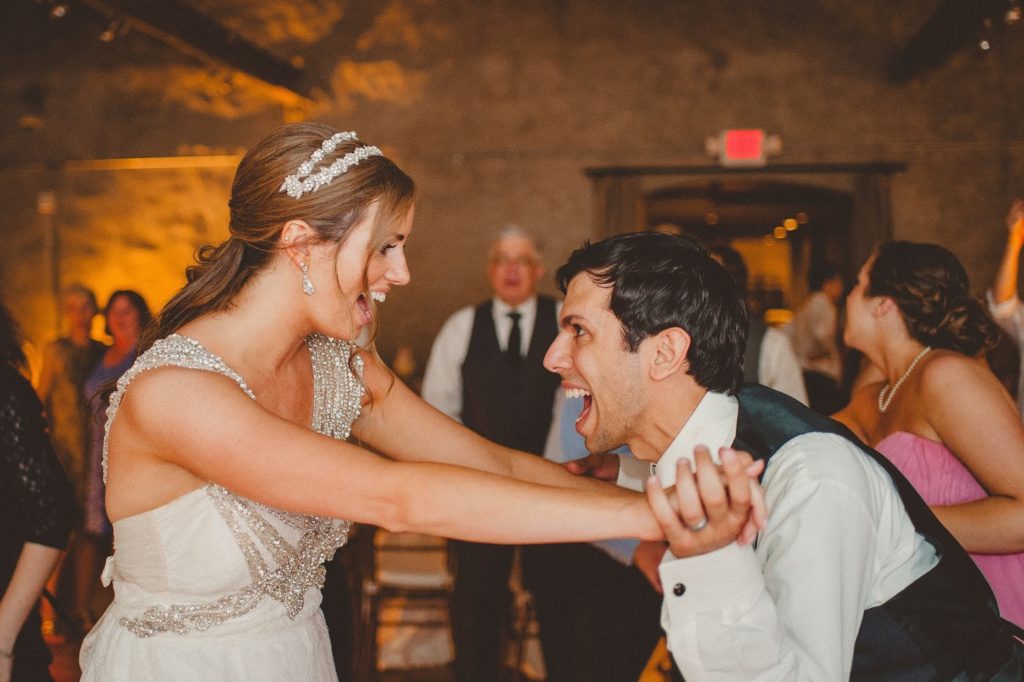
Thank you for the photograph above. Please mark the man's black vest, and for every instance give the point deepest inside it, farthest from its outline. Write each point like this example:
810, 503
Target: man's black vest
944, 625
510, 402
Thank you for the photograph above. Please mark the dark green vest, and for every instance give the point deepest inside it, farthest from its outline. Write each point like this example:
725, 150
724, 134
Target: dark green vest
943, 626
752, 353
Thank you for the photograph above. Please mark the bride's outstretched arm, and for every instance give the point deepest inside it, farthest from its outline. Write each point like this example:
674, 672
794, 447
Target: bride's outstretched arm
405, 427
178, 428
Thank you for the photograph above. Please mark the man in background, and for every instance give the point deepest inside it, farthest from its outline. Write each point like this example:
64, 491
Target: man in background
814, 334
769, 358
486, 371
610, 594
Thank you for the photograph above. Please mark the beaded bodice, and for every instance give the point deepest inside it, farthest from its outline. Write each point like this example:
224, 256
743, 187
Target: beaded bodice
283, 552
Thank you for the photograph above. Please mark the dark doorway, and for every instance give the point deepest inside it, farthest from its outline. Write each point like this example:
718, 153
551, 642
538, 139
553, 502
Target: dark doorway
845, 208
779, 228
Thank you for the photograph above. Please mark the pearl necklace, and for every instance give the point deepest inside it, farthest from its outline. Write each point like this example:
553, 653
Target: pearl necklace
885, 395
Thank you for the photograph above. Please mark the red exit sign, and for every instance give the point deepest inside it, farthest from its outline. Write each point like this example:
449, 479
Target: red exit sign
743, 147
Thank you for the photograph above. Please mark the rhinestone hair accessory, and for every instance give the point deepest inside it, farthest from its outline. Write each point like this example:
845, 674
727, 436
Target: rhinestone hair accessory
305, 180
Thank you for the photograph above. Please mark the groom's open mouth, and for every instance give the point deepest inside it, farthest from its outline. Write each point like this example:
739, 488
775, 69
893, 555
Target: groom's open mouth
574, 392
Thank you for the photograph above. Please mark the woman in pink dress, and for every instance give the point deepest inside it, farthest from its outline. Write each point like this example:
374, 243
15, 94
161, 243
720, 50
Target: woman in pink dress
938, 413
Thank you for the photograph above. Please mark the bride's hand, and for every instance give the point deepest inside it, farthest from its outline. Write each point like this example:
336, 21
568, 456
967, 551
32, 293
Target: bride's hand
713, 507
600, 465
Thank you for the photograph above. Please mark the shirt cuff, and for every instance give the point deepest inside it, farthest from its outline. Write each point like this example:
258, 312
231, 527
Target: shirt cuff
633, 473
621, 550
727, 577
1003, 309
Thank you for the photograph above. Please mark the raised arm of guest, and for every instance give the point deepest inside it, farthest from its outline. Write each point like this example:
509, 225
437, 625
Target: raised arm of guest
1005, 286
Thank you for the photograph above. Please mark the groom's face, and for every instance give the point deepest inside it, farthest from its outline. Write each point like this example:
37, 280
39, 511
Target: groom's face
591, 356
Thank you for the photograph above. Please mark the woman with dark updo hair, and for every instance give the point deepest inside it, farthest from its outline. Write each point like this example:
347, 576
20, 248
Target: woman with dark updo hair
939, 414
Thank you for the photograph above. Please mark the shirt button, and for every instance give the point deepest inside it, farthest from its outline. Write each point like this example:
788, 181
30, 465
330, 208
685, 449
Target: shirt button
678, 589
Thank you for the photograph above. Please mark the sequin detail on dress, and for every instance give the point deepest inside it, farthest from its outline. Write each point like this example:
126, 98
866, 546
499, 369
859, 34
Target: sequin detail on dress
337, 394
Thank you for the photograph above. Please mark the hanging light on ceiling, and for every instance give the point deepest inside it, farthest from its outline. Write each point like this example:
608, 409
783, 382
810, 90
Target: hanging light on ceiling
115, 29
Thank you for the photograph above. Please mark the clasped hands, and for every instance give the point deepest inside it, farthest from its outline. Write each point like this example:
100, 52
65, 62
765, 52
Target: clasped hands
710, 506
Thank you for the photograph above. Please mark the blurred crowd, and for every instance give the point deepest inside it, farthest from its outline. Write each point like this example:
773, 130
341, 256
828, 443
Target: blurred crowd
53, 490
899, 356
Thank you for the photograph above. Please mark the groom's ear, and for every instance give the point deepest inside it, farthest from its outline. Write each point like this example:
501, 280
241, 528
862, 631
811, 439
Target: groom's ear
670, 351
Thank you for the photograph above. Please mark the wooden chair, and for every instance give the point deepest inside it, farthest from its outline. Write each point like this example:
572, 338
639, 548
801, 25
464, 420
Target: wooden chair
403, 570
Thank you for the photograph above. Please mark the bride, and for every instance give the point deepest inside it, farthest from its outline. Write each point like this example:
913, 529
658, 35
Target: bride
225, 456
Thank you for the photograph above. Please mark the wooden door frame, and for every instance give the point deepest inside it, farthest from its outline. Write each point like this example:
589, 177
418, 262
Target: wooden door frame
619, 191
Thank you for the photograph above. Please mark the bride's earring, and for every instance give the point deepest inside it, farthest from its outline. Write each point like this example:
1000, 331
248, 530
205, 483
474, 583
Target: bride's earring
307, 285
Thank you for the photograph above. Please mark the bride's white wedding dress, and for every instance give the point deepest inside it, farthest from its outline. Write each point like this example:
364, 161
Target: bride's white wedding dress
213, 586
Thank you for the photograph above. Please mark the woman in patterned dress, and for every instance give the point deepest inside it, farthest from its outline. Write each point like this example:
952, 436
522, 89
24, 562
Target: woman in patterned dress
36, 512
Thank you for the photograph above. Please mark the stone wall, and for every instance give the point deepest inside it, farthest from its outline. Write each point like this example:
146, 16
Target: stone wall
495, 108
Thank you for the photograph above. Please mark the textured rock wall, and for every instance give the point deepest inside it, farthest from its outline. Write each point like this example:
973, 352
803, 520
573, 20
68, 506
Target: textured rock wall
495, 108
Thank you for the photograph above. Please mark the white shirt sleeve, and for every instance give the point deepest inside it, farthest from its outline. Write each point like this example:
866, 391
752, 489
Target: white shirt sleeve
792, 609
553, 448
814, 336
823, 323
633, 473
1009, 315
442, 379
778, 367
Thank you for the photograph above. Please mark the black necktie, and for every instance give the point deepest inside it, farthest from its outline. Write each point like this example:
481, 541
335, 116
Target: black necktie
515, 338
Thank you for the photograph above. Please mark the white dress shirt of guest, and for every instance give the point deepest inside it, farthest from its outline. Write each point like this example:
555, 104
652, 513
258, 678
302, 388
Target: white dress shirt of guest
813, 330
778, 366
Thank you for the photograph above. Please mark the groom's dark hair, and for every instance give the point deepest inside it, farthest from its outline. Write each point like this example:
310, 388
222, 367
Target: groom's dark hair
660, 281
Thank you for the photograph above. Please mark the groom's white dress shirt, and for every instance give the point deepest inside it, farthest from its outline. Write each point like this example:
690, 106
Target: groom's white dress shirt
838, 541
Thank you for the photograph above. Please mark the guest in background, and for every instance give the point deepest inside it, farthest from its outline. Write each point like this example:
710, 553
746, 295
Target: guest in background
485, 370
1003, 300
36, 507
66, 364
938, 413
814, 334
126, 316
610, 590
769, 358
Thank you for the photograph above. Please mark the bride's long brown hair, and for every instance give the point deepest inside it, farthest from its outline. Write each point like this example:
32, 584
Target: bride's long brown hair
259, 211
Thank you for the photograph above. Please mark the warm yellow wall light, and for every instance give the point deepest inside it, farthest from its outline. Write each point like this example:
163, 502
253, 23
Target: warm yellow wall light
155, 163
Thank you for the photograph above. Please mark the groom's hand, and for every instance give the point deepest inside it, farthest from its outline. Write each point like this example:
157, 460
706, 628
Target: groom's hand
712, 507
602, 465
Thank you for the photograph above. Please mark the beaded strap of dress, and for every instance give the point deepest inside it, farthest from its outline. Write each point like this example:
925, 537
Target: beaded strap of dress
293, 568
175, 351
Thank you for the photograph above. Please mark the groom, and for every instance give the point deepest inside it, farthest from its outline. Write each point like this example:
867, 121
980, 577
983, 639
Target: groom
853, 576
